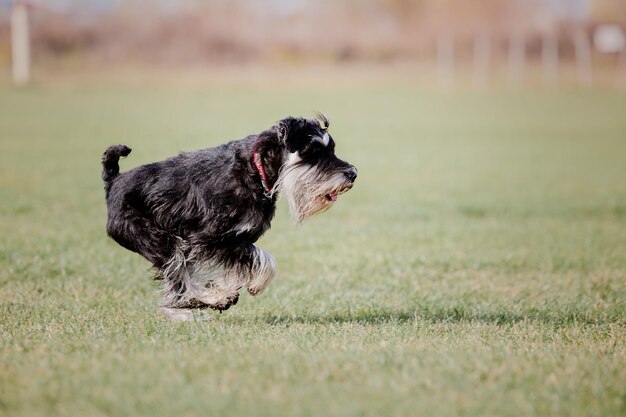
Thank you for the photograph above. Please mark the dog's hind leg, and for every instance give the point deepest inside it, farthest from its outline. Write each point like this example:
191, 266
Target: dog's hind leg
179, 288
138, 233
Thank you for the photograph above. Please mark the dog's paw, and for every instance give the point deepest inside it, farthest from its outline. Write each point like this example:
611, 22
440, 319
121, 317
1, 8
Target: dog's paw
225, 303
254, 291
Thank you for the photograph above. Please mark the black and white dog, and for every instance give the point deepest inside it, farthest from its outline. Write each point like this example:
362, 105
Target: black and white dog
196, 216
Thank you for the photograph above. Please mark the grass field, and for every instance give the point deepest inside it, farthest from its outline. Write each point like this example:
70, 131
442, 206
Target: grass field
476, 269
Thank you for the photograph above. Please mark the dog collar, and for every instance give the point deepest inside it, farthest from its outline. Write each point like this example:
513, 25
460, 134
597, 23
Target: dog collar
261, 170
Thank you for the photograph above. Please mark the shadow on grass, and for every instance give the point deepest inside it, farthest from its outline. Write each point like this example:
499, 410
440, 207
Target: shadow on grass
446, 315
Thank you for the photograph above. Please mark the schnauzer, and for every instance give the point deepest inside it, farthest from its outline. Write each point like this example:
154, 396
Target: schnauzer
196, 216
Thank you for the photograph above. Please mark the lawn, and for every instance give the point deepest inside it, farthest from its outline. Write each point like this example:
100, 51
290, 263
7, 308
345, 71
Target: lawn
476, 269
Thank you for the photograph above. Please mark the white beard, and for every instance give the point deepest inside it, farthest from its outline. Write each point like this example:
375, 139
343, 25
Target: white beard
308, 189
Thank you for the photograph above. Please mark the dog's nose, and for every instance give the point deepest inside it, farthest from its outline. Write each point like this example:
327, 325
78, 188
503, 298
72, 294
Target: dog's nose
351, 173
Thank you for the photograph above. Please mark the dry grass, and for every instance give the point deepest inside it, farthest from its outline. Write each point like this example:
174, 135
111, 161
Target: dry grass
477, 268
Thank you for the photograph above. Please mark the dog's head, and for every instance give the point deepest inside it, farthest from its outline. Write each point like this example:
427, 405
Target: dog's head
312, 177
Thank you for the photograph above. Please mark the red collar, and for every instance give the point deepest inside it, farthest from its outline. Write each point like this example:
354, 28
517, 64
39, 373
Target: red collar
261, 170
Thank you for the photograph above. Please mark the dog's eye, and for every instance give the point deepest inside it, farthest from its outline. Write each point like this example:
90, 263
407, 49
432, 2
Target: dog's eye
314, 150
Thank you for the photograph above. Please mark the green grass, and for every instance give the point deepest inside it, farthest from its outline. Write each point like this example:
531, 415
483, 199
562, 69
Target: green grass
477, 268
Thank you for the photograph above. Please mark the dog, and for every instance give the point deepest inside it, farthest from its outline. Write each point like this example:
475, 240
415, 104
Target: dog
195, 217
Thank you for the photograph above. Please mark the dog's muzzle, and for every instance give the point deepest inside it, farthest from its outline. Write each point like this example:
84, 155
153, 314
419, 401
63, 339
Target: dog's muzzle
344, 186
352, 173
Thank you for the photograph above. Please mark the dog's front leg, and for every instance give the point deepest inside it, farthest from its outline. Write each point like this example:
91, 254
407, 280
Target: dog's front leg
245, 266
198, 280
214, 280
253, 269
220, 285
262, 271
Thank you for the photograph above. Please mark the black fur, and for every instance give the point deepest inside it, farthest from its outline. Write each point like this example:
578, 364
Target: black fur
110, 168
196, 202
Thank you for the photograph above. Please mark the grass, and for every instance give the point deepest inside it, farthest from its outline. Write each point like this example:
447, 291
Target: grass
477, 268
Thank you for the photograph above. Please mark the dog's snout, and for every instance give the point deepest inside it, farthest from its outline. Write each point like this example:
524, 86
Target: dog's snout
351, 173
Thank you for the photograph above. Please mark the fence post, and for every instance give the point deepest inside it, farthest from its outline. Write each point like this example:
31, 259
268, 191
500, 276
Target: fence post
582, 49
550, 60
482, 52
517, 59
20, 43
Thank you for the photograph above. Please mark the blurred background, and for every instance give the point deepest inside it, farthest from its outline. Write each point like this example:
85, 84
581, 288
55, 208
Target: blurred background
447, 42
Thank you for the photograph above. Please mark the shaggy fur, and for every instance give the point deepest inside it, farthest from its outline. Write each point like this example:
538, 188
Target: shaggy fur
196, 216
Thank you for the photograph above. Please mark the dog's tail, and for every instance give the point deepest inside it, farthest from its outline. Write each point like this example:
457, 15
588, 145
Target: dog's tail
110, 168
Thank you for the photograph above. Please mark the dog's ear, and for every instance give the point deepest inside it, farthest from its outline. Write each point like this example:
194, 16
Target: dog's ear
282, 130
287, 127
